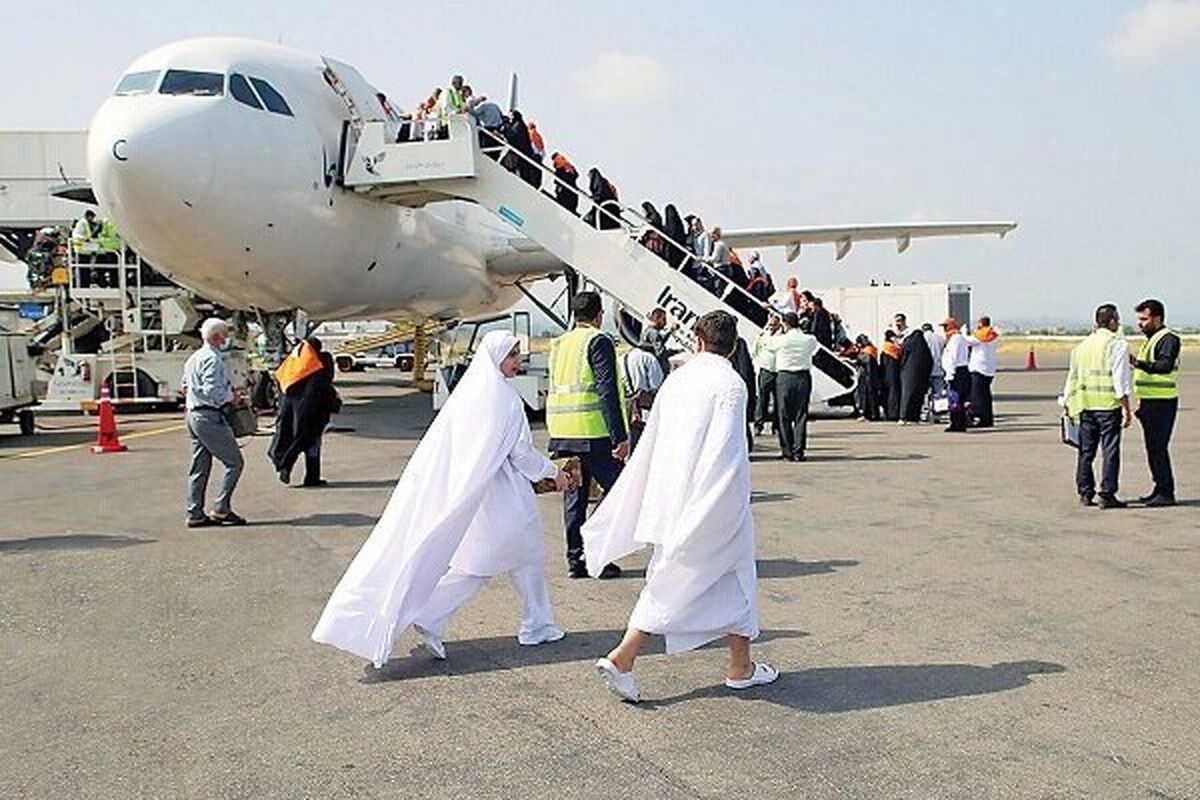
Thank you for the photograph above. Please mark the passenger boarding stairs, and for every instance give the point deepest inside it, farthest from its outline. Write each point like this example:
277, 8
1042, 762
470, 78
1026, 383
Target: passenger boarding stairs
461, 167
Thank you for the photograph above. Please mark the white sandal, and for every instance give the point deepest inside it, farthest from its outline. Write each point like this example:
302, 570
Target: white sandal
622, 684
761, 676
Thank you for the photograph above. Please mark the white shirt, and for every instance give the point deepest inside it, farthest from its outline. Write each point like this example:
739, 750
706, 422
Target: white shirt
720, 253
983, 356
936, 344
643, 373
784, 301
793, 350
701, 244
955, 354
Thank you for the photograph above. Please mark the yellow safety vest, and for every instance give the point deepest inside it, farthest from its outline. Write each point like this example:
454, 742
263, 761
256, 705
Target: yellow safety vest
1091, 380
109, 239
573, 402
1150, 386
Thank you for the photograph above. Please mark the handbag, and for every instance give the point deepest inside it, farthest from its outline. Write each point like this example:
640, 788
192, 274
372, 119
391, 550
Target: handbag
242, 420
1070, 432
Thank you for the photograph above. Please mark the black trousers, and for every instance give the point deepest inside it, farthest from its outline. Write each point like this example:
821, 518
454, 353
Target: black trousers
1099, 431
597, 463
1158, 421
765, 402
981, 399
961, 384
793, 390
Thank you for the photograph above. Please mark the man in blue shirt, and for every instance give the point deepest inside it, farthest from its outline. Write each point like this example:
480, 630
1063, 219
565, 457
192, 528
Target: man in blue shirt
208, 391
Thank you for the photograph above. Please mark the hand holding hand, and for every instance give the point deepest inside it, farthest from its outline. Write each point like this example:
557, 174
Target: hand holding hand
563, 481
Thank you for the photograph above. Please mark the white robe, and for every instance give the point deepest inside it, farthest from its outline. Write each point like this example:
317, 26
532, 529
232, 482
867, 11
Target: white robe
686, 491
464, 499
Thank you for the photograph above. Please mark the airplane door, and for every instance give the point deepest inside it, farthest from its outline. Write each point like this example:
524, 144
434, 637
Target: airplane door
358, 95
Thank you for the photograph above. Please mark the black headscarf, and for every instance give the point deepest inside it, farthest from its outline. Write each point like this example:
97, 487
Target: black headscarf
651, 214
673, 228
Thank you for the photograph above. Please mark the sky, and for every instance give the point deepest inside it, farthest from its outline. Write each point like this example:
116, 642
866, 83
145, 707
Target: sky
1077, 119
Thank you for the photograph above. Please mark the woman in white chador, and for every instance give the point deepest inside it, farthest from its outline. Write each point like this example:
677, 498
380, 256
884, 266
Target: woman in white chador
462, 512
686, 492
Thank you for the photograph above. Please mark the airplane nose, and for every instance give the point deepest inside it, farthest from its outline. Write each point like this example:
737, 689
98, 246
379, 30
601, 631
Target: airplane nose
152, 162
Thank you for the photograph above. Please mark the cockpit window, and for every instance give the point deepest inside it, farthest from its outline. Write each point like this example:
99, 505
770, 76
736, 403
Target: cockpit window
239, 87
273, 99
137, 83
201, 84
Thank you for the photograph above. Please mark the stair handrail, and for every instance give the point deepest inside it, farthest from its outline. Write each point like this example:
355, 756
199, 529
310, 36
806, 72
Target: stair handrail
631, 230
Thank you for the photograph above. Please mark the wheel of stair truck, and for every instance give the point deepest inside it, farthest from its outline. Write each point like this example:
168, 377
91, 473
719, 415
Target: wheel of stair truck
25, 422
405, 362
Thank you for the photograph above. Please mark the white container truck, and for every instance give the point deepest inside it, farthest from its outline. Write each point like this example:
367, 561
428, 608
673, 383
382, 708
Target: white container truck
870, 309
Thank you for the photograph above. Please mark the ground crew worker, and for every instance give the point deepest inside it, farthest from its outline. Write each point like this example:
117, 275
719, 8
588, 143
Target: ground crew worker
86, 229
453, 101
1156, 384
793, 351
585, 416
764, 362
1096, 394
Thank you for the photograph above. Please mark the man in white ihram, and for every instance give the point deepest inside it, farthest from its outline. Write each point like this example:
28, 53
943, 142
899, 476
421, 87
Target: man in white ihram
463, 511
686, 492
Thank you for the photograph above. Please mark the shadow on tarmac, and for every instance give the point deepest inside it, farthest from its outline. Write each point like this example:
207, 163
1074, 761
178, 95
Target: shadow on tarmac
496, 653
777, 568
321, 520
71, 541
835, 690
771, 497
383, 483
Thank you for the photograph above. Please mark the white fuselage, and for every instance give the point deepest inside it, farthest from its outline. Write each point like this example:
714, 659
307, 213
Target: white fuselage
240, 205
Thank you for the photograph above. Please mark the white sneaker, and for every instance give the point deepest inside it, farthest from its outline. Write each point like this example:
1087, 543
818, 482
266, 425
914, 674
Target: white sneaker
434, 644
762, 675
622, 684
544, 634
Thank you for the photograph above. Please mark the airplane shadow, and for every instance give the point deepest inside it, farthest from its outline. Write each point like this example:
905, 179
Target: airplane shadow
496, 653
835, 690
71, 541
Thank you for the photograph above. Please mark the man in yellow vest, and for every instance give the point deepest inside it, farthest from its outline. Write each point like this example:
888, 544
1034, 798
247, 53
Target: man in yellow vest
1097, 397
1156, 384
585, 417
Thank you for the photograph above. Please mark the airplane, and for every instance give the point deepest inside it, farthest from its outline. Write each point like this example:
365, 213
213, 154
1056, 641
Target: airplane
217, 159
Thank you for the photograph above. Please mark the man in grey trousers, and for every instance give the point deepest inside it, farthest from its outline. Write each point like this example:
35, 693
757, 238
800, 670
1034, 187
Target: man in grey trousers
208, 393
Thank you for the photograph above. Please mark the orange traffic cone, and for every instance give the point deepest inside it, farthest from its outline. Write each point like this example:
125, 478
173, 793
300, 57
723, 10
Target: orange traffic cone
1031, 360
107, 440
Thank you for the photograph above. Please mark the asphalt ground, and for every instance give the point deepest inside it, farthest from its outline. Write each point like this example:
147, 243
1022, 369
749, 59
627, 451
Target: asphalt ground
948, 621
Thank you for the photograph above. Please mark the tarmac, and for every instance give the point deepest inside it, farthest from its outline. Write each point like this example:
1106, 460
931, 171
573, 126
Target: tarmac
948, 621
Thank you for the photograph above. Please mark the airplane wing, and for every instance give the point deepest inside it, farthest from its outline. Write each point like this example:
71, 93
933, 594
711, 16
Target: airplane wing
843, 236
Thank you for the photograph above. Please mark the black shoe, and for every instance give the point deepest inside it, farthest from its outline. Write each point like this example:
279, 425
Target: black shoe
609, 572
1146, 498
204, 521
799, 458
228, 518
285, 475
317, 484
1087, 500
577, 569
1160, 501
1108, 501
